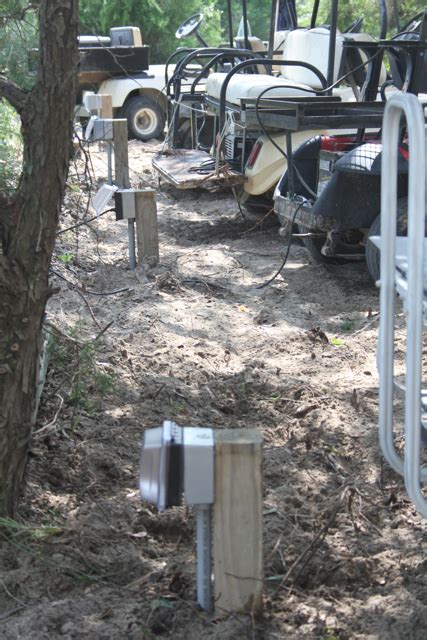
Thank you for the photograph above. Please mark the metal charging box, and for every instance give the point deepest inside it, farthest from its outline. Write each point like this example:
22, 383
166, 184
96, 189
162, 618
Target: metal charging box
124, 200
102, 129
161, 468
198, 465
92, 101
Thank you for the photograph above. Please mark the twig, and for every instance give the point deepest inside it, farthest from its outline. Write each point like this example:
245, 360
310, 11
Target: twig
258, 223
367, 325
162, 386
79, 343
107, 326
61, 333
11, 613
50, 424
90, 309
93, 293
11, 595
318, 538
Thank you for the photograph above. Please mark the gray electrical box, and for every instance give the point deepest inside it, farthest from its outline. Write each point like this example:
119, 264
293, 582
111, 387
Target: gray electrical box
177, 460
198, 465
161, 471
124, 201
102, 129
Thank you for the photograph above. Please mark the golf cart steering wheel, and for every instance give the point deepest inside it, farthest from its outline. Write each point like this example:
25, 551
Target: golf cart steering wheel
189, 26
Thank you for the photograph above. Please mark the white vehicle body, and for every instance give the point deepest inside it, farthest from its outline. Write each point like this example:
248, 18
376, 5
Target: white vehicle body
140, 98
151, 84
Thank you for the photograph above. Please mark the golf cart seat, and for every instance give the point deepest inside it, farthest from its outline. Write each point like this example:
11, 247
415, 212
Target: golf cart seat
278, 47
252, 85
309, 46
255, 44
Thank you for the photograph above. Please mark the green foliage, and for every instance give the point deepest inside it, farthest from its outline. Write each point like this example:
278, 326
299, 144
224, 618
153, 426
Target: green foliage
23, 531
18, 35
157, 19
258, 17
66, 257
347, 325
89, 382
10, 148
368, 9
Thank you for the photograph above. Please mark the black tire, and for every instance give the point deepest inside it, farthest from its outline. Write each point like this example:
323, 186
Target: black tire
146, 118
259, 204
373, 255
313, 244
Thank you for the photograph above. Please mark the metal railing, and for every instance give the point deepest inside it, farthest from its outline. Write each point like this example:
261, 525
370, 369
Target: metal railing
410, 466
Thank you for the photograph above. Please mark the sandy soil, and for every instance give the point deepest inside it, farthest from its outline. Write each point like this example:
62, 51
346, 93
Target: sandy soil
198, 341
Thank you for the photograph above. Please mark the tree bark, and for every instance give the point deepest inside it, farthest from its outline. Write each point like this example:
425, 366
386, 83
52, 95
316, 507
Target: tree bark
28, 222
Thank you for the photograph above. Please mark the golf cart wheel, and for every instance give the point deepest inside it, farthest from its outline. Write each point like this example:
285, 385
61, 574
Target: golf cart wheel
313, 244
259, 204
373, 255
146, 119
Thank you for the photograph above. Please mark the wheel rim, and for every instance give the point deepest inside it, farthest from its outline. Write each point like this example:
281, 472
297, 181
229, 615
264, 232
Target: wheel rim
145, 121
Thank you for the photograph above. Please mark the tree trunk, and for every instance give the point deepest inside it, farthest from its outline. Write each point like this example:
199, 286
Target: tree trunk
28, 223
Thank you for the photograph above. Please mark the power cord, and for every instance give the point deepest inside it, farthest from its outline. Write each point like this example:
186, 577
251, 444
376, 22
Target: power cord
285, 259
83, 222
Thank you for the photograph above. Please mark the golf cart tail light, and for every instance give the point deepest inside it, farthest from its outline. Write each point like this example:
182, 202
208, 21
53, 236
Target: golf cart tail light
254, 154
335, 143
404, 153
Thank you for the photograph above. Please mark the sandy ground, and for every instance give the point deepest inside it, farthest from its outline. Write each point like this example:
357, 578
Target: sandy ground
198, 341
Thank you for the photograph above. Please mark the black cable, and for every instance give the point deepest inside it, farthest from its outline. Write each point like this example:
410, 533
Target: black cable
79, 224
88, 291
285, 259
274, 143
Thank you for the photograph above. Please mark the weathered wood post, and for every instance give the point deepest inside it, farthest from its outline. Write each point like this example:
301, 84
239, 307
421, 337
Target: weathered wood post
237, 521
121, 175
106, 105
106, 111
147, 237
101, 106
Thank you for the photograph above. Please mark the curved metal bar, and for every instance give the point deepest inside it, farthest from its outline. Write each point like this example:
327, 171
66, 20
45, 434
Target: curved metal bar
237, 53
267, 62
410, 466
193, 54
173, 55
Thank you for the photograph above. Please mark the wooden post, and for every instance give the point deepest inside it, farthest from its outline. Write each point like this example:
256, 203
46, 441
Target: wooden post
106, 109
121, 157
121, 175
100, 104
237, 521
146, 226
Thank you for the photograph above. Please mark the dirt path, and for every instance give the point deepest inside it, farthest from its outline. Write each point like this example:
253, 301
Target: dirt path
200, 342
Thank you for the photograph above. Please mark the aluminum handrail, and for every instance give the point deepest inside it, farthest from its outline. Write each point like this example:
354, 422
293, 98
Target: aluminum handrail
410, 465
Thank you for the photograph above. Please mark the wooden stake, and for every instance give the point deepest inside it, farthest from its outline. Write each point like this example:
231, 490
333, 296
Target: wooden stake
106, 110
121, 157
121, 175
237, 521
146, 226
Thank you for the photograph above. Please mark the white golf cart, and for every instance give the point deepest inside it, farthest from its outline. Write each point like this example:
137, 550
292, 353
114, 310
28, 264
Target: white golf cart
118, 65
244, 106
